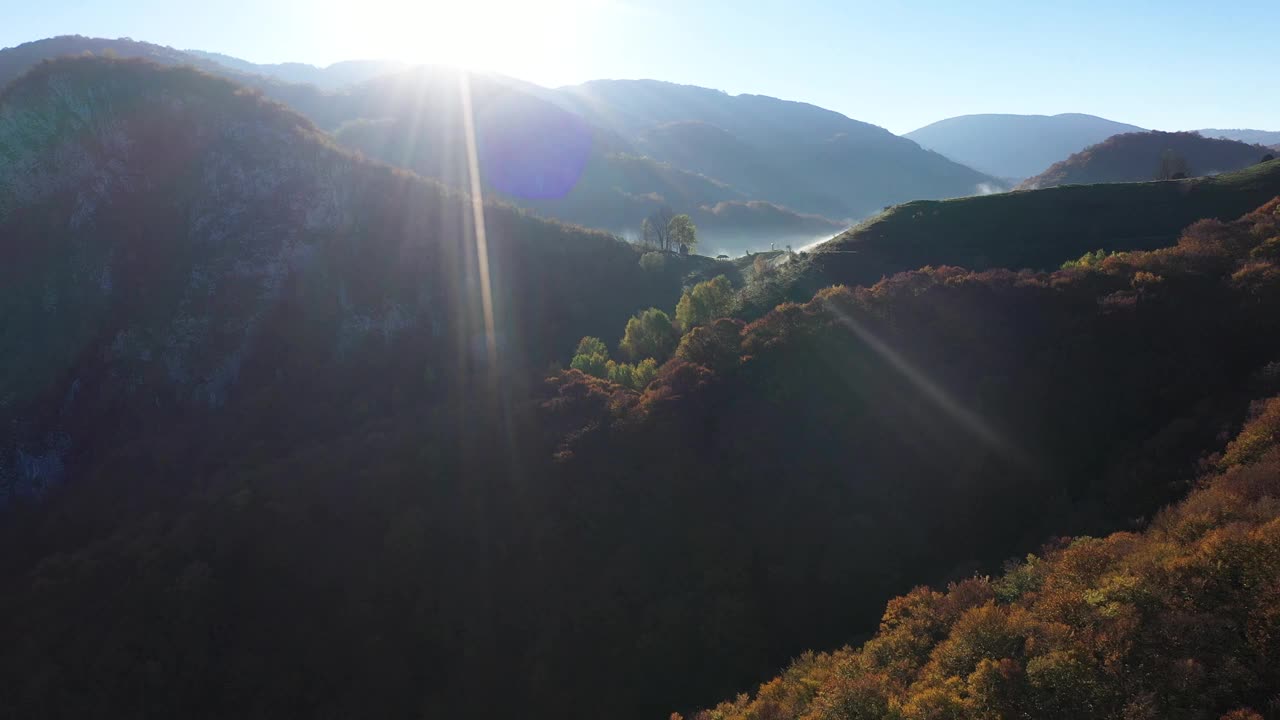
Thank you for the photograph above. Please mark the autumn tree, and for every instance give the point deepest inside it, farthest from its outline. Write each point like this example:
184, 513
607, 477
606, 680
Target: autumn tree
649, 334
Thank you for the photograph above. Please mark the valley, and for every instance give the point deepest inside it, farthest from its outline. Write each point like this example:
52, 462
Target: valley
387, 389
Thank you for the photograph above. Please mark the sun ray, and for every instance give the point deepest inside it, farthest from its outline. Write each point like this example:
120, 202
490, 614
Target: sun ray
477, 211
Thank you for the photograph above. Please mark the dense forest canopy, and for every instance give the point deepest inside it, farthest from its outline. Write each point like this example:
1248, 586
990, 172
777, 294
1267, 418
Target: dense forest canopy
1178, 621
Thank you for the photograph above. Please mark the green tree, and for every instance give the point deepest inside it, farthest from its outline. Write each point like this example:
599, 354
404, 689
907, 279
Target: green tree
682, 231
591, 346
591, 357
705, 302
649, 334
622, 374
646, 371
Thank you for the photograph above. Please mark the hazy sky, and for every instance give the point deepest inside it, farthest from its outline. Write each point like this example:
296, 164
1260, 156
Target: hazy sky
1172, 64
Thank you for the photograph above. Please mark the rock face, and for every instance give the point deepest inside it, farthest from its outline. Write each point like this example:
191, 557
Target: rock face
161, 227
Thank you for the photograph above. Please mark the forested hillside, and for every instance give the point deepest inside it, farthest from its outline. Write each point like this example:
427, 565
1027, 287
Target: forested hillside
288, 432
275, 459
1145, 156
1177, 621
934, 420
157, 248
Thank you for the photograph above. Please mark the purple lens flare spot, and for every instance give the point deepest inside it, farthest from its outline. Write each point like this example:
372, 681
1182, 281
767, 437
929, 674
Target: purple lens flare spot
531, 149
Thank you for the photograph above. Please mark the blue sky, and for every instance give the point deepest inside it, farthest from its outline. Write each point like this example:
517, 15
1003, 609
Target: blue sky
1168, 65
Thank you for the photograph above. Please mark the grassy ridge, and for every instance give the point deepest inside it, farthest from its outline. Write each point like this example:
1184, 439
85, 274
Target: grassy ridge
1038, 229
1042, 228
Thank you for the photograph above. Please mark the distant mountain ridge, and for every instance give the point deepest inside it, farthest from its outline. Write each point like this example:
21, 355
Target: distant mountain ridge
1258, 137
796, 154
330, 77
1137, 157
1015, 146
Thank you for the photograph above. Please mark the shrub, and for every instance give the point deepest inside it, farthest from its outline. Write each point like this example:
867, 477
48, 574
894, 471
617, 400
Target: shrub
653, 262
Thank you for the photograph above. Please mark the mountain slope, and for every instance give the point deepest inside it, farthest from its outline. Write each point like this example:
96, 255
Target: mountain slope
15, 61
536, 154
1176, 621
794, 154
1137, 157
160, 225
325, 109
1015, 146
1038, 229
801, 435
296, 484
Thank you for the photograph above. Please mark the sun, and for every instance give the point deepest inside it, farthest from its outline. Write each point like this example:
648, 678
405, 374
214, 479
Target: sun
497, 35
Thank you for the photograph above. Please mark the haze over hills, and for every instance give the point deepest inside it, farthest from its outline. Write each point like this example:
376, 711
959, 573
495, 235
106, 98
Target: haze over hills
798, 155
802, 168
1015, 146
621, 189
535, 153
1139, 157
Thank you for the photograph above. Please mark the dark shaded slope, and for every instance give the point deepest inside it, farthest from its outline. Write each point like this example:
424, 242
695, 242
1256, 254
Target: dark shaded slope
161, 226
